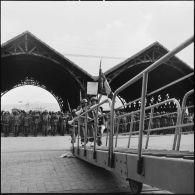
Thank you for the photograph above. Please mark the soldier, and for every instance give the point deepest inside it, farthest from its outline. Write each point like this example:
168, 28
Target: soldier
40, 123
11, 123
61, 124
2, 113
83, 108
101, 126
54, 122
45, 120
36, 122
16, 121
26, 124
65, 122
2, 121
30, 121
49, 124
6, 120
21, 123
92, 115
33, 122
73, 126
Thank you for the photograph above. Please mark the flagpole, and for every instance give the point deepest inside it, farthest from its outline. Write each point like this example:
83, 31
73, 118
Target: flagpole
96, 114
80, 96
69, 106
100, 72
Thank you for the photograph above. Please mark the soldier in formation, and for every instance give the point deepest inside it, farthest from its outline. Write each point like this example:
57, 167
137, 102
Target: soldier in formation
5, 122
33, 122
45, 122
16, 122
26, 124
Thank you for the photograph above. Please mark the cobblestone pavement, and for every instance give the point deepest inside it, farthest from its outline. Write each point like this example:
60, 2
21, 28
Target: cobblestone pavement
34, 165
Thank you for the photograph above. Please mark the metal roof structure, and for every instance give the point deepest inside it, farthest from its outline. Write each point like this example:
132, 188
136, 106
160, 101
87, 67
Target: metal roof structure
26, 60
172, 70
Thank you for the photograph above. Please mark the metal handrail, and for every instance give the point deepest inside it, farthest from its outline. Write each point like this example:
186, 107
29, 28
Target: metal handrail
92, 108
144, 75
152, 106
84, 115
154, 129
182, 116
155, 91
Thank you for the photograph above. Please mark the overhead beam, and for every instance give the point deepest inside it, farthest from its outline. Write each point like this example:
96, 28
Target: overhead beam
26, 43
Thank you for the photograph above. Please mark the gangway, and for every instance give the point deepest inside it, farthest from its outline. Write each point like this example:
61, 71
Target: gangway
170, 169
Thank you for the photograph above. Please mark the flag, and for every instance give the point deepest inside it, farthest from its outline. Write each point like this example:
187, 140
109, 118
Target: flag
107, 87
103, 85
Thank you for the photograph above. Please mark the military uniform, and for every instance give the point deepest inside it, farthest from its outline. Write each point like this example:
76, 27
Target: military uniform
61, 124
11, 123
91, 121
82, 120
26, 124
6, 120
30, 123
73, 127
100, 123
21, 122
36, 122
16, 121
45, 118
55, 124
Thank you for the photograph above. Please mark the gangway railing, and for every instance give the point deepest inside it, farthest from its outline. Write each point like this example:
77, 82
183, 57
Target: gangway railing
150, 128
85, 117
150, 119
157, 90
182, 117
144, 76
133, 165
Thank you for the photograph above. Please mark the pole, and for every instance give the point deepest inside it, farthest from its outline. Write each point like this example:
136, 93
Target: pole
80, 96
69, 106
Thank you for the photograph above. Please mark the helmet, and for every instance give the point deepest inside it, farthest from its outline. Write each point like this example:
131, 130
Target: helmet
74, 110
94, 99
83, 101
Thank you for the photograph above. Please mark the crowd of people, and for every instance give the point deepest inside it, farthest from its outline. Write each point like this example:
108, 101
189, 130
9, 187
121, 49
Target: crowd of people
52, 123
34, 122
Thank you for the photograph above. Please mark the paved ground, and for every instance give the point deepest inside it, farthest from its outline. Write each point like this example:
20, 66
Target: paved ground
33, 164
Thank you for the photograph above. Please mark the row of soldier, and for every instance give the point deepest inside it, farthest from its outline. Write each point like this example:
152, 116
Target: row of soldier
34, 122
87, 135
162, 116
52, 123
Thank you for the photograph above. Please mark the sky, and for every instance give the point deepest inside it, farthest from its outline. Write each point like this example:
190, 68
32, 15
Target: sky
113, 29
24, 94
